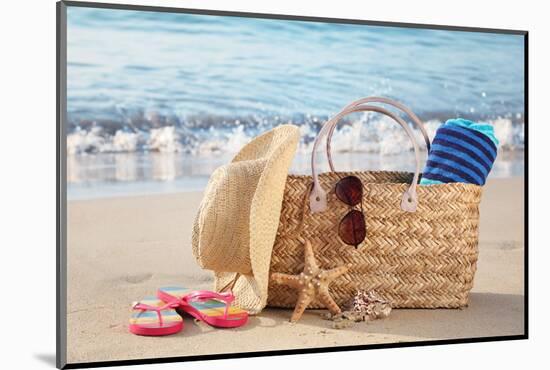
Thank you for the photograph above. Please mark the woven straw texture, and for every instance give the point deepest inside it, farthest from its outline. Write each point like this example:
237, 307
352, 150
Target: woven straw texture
237, 221
425, 259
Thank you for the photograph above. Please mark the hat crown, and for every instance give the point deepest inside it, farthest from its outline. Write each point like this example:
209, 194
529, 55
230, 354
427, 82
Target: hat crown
225, 217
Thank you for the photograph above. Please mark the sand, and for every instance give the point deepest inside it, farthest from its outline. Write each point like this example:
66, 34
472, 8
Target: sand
122, 249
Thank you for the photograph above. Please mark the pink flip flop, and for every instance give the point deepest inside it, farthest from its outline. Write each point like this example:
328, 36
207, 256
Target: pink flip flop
154, 317
213, 308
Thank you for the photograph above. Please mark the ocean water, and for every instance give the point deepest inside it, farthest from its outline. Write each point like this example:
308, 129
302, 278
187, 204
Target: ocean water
157, 100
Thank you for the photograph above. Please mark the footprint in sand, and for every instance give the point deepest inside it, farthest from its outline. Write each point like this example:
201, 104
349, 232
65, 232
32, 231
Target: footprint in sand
509, 245
138, 278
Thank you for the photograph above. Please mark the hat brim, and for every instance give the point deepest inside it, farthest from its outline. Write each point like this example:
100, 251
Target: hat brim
251, 290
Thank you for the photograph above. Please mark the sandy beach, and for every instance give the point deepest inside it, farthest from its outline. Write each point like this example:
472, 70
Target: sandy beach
122, 249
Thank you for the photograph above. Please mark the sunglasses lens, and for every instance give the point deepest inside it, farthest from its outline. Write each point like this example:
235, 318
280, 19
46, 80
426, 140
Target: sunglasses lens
352, 229
349, 190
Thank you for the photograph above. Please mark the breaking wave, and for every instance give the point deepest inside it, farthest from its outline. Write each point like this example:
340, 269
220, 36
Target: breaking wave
211, 136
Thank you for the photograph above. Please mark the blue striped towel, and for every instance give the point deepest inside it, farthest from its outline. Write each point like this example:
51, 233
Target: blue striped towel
462, 151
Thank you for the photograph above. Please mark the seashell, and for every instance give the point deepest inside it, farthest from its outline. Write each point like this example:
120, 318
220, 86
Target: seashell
364, 306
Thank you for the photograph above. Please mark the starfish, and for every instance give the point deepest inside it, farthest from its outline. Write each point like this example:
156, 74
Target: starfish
310, 283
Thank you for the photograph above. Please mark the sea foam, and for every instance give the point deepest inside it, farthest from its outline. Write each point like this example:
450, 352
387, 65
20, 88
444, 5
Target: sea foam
368, 133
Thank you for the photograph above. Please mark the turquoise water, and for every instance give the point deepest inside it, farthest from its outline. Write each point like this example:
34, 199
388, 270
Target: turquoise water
147, 82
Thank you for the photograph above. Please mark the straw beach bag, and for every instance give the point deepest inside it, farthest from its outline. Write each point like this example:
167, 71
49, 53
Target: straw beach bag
421, 244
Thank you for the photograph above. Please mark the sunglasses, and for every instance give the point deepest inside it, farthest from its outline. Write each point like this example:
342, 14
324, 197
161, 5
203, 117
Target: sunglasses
352, 229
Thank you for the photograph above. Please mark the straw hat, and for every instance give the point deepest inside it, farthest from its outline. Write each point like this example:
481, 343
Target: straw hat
237, 222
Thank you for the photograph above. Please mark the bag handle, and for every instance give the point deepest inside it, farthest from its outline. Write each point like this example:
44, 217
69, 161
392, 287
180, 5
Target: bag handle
318, 196
377, 99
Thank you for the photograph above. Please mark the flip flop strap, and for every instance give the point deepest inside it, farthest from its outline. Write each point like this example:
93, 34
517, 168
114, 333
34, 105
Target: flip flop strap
145, 307
203, 295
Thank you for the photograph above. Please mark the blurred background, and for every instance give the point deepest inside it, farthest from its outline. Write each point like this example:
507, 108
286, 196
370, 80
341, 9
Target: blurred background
157, 101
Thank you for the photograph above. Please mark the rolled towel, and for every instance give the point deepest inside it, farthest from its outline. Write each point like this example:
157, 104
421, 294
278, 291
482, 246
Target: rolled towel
462, 151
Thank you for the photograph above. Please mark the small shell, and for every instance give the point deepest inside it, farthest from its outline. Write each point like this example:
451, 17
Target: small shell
364, 306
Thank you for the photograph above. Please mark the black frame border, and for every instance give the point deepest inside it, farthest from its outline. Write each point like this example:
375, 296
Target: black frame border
61, 194
61, 200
